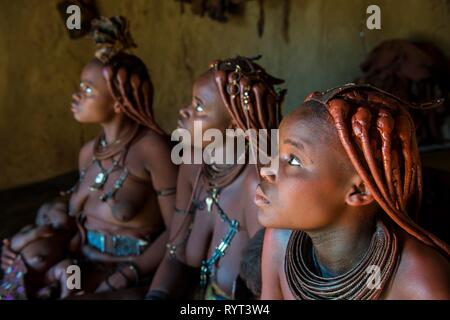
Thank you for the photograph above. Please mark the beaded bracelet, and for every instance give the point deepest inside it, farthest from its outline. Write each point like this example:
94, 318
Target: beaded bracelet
133, 267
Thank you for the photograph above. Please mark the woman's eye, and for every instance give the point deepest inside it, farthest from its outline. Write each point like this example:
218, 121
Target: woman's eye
85, 88
294, 161
199, 108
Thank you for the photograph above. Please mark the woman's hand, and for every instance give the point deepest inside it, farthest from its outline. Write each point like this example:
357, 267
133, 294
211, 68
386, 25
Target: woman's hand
8, 256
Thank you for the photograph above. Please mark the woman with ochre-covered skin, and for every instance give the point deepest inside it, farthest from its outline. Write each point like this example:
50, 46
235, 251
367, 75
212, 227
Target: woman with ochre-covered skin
215, 215
348, 181
125, 196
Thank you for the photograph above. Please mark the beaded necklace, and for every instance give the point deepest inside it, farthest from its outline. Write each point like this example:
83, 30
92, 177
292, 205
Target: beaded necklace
308, 284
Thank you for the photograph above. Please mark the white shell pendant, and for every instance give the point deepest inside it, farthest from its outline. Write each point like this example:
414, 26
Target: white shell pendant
209, 203
210, 199
100, 180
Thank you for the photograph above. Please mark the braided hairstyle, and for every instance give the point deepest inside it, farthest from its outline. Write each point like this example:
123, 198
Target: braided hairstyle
249, 92
378, 135
250, 96
126, 75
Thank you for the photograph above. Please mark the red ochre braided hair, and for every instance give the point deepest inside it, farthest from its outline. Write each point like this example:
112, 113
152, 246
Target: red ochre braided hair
126, 75
250, 95
249, 92
378, 135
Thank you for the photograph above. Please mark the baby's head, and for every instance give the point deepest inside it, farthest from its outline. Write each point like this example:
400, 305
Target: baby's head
55, 215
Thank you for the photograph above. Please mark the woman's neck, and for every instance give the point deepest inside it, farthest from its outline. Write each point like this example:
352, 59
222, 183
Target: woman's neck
227, 154
115, 128
339, 248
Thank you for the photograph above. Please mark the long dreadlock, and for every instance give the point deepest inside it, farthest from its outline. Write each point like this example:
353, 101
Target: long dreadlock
251, 99
249, 93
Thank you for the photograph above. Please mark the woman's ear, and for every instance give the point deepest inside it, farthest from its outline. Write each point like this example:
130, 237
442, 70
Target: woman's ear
232, 124
359, 194
117, 107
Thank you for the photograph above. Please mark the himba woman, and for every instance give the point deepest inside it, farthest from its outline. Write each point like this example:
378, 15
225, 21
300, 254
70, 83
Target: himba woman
126, 192
348, 186
215, 215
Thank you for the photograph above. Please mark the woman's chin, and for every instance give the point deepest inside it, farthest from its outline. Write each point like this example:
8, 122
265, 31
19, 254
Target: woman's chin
76, 117
79, 119
264, 219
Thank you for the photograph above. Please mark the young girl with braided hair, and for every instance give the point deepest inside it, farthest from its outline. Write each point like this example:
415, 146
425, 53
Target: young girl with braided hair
348, 186
126, 192
215, 216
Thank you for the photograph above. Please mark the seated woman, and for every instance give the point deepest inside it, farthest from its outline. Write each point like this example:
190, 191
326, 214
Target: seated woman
126, 192
349, 178
215, 215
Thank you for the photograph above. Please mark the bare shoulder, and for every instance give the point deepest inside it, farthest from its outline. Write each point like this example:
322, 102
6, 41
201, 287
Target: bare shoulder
151, 140
154, 151
274, 250
423, 272
189, 172
275, 241
86, 154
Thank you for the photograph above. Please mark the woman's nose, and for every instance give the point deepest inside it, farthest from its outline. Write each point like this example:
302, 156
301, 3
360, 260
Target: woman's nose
76, 97
184, 112
269, 173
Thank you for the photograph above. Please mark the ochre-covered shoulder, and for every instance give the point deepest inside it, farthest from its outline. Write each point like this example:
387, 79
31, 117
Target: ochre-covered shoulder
151, 140
279, 239
189, 172
274, 251
423, 272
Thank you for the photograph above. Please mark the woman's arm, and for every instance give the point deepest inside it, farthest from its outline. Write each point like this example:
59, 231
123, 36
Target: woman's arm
171, 274
164, 180
163, 174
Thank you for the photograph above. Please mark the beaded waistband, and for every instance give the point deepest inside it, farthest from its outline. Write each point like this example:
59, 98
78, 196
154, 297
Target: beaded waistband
116, 245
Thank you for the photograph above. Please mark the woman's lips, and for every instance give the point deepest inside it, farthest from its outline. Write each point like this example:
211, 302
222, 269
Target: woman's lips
74, 107
260, 198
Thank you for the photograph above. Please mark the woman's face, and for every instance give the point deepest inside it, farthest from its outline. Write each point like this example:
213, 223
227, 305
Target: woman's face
309, 189
206, 107
92, 103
